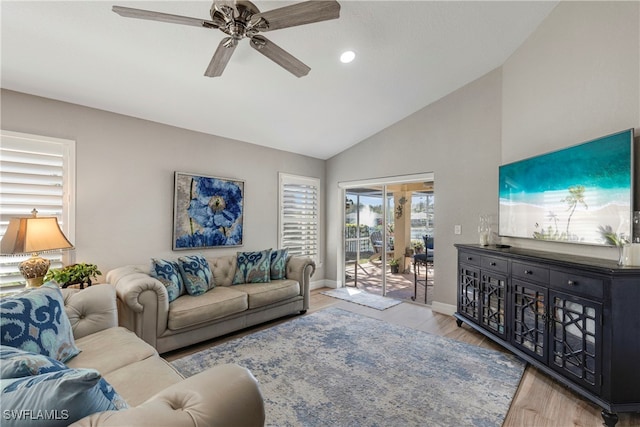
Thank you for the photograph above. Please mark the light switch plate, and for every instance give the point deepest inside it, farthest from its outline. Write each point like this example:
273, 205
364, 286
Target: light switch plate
457, 229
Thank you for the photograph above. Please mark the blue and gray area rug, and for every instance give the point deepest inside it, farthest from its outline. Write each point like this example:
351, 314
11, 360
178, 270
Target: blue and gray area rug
361, 297
337, 368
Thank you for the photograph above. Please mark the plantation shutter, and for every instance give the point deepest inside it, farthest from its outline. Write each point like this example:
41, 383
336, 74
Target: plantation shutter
35, 172
299, 215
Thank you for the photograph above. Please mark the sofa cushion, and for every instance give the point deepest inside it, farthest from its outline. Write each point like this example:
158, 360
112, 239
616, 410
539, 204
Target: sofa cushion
168, 273
223, 269
35, 320
91, 309
279, 264
140, 380
58, 398
219, 302
196, 274
261, 294
253, 267
17, 363
104, 350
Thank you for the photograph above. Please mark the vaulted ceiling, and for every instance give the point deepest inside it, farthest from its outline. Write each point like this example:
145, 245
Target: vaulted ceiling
409, 54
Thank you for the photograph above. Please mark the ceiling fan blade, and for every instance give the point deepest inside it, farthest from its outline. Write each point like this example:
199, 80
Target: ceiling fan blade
279, 56
221, 57
150, 15
300, 14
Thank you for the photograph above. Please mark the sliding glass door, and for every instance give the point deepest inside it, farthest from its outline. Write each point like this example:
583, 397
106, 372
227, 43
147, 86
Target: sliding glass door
384, 226
364, 238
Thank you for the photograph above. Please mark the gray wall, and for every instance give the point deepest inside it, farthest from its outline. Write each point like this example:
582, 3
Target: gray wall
456, 138
576, 78
125, 173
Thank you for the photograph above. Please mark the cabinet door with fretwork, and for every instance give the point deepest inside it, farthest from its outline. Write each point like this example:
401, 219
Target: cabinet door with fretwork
493, 291
528, 326
469, 291
576, 335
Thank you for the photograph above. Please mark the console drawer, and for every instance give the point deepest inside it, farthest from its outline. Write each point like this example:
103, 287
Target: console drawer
469, 258
495, 264
577, 284
528, 271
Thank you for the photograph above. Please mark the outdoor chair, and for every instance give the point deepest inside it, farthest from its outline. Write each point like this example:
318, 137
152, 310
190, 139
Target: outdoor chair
377, 243
425, 259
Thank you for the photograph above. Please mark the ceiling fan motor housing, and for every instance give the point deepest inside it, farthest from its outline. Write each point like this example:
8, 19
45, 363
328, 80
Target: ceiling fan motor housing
237, 19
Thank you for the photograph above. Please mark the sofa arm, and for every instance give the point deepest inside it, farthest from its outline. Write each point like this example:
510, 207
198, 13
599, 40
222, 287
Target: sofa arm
91, 310
301, 269
225, 395
143, 302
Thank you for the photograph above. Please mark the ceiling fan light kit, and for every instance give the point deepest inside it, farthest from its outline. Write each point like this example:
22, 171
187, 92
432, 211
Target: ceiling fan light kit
242, 19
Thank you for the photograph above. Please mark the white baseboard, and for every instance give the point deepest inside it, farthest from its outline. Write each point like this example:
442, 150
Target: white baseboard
323, 283
443, 308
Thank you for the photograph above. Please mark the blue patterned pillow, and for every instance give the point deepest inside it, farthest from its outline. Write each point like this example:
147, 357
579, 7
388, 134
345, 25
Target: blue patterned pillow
18, 363
168, 273
34, 320
196, 274
253, 267
279, 264
57, 398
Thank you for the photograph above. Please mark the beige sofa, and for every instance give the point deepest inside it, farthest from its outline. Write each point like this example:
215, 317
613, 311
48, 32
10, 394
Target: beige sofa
225, 395
144, 308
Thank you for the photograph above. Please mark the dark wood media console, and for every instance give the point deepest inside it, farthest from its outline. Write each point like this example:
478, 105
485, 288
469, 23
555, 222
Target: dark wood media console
575, 318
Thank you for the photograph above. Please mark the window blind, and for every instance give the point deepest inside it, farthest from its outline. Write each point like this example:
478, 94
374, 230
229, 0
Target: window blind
299, 215
35, 172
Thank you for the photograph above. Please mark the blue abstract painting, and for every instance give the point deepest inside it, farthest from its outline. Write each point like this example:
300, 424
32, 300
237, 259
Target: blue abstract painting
208, 211
581, 194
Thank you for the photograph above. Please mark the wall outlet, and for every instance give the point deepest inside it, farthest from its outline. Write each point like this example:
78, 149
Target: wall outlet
457, 229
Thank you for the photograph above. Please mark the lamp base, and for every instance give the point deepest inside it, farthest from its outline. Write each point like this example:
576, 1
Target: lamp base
34, 269
36, 282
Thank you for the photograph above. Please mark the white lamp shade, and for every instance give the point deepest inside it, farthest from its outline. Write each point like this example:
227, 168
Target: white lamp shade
31, 235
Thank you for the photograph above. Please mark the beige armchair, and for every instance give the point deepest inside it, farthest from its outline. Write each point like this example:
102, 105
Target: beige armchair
224, 395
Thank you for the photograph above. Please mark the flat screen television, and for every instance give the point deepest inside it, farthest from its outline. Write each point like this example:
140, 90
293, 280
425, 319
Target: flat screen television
581, 194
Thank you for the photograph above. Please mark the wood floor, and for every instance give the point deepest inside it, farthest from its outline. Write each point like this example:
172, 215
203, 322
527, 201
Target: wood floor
539, 402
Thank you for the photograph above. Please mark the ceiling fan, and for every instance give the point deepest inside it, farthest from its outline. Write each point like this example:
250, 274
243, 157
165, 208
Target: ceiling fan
242, 19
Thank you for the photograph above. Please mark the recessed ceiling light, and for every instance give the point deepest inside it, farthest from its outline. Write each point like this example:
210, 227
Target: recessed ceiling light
347, 56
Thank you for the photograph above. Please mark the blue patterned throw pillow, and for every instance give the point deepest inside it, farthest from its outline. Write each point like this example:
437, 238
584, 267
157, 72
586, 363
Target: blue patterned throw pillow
279, 264
253, 267
196, 274
168, 273
17, 363
56, 398
34, 320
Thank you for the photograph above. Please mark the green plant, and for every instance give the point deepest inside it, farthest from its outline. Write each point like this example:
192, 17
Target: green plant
611, 237
80, 273
394, 264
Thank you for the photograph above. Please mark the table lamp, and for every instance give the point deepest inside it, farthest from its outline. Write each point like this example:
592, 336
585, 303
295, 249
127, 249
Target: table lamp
32, 235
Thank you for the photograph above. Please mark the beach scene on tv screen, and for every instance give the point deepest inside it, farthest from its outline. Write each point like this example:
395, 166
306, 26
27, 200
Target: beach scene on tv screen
581, 194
